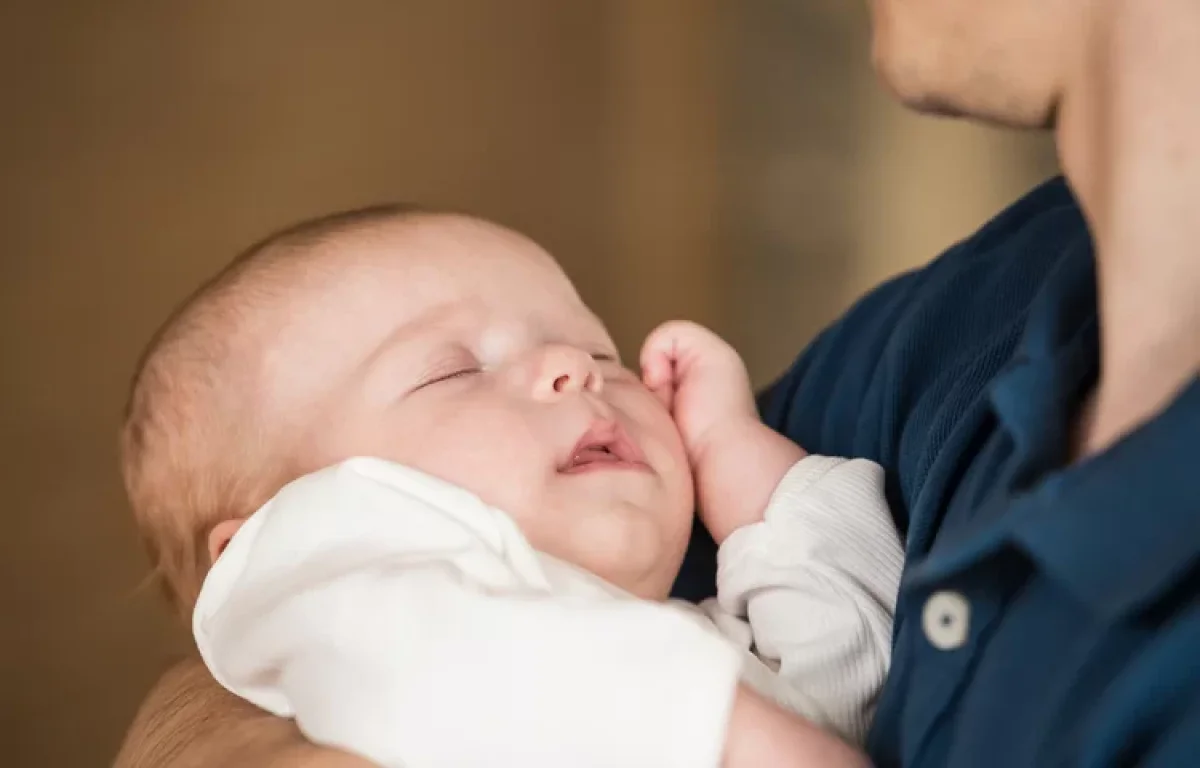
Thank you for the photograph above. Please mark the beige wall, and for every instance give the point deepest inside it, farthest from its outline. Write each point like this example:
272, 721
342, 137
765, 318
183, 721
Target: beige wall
829, 186
730, 163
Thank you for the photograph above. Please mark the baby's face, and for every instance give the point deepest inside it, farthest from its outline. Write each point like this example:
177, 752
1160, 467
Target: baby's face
461, 349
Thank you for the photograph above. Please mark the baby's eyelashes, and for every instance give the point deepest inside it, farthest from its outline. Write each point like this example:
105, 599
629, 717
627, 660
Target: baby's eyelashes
456, 374
460, 366
448, 372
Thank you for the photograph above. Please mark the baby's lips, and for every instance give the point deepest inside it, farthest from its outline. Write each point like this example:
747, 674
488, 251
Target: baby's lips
605, 436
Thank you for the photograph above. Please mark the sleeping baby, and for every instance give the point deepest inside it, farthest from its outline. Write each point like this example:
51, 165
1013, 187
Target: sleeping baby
393, 469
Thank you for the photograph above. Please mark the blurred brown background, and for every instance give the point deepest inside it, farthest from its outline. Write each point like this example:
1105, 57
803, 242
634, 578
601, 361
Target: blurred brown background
732, 163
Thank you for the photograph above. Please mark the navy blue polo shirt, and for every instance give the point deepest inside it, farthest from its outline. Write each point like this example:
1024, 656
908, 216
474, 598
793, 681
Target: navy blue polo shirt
1048, 613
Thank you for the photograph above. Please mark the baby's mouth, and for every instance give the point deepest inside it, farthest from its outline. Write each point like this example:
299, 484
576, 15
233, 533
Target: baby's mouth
604, 446
593, 454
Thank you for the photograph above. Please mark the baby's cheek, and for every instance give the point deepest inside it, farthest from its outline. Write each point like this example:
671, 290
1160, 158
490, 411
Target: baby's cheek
480, 450
659, 437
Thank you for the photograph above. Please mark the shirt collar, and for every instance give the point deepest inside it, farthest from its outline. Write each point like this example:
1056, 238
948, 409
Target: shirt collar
1056, 362
1118, 528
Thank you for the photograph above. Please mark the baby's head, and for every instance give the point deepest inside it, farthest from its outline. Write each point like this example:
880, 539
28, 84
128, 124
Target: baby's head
438, 341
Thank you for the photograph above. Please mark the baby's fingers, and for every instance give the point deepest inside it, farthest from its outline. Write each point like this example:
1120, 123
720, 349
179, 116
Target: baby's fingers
658, 371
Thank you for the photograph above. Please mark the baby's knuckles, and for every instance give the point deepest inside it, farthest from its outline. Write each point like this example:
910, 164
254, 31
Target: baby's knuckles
711, 387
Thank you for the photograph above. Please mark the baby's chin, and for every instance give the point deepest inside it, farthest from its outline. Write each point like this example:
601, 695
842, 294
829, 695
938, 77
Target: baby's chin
630, 548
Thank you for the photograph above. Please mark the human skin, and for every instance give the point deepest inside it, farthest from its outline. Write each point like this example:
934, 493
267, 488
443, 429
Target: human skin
1115, 81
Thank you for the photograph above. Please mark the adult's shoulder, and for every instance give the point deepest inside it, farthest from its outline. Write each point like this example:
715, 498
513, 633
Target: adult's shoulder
912, 359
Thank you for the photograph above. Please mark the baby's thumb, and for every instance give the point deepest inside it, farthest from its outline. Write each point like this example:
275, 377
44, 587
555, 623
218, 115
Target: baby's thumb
658, 368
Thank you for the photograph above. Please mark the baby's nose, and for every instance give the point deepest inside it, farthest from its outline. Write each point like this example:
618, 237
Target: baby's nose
565, 370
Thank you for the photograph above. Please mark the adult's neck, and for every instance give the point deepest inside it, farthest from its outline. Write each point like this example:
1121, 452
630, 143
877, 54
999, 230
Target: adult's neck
1126, 135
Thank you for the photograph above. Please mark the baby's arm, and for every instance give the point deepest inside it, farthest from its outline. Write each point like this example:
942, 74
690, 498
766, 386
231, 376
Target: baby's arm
808, 550
817, 580
390, 629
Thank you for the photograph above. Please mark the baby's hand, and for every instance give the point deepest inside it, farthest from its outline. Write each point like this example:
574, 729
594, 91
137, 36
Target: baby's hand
736, 459
700, 379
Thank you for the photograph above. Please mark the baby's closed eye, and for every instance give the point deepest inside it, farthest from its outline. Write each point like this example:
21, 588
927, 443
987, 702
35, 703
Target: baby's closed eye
452, 375
457, 366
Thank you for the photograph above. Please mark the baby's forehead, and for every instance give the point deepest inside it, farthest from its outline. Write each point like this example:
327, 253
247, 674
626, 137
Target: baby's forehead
436, 272
444, 253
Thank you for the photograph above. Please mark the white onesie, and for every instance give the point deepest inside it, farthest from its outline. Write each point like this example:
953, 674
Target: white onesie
400, 618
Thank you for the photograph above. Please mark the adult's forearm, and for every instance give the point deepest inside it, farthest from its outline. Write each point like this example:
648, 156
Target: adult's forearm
763, 735
188, 721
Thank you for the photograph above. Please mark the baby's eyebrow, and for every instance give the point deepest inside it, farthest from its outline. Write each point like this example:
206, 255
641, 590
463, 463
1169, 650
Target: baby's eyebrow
406, 344
395, 363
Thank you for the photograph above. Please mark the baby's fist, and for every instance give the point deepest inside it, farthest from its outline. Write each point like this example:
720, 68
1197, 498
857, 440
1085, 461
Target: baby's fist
736, 459
700, 379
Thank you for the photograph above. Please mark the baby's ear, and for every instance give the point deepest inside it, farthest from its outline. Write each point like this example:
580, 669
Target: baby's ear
219, 538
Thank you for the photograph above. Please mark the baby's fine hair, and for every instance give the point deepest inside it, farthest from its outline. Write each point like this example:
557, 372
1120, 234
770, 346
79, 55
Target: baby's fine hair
194, 448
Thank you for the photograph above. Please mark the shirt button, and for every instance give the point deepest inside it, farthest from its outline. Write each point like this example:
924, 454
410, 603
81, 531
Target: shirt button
946, 620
